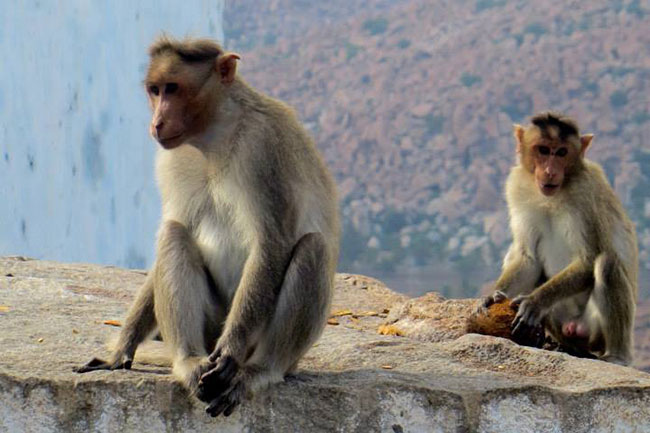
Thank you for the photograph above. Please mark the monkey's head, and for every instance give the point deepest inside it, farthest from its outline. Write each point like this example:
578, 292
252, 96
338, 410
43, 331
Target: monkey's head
184, 83
551, 150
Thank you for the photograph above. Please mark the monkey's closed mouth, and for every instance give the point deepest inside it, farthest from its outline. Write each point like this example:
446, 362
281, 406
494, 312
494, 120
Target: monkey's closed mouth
550, 186
167, 140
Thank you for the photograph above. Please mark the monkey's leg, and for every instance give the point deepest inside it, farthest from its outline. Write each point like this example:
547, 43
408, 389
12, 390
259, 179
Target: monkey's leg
611, 310
139, 323
299, 318
568, 325
185, 308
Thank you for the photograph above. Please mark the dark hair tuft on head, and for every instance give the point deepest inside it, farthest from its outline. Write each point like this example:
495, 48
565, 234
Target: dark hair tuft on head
189, 50
566, 125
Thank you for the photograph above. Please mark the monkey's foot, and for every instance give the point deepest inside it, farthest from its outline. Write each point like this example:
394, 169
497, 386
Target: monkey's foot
99, 364
217, 379
228, 401
615, 359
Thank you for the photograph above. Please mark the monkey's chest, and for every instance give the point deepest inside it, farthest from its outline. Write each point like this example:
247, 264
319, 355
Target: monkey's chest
224, 248
558, 244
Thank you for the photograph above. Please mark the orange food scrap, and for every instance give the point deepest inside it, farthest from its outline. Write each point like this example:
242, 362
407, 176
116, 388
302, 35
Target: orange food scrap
390, 330
387, 367
332, 321
112, 322
4, 308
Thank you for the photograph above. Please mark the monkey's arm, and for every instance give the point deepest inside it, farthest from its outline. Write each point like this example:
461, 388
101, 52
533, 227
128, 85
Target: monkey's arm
575, 278
254, 300
251, 311
521, 271
519, 276
139, 323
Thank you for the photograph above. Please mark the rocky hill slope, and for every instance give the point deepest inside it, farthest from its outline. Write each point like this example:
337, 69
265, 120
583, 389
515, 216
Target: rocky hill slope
412, 104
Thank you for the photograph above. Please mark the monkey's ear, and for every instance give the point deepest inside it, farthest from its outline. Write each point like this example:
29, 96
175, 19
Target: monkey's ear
227, 67
518, 132
585, 141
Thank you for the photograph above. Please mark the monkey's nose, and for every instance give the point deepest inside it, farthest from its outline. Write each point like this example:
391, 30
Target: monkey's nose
159, 126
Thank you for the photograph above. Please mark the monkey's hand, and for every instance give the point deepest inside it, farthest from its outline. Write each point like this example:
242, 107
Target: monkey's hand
218, 378
229, 400
527, 327
494, 298
119, 362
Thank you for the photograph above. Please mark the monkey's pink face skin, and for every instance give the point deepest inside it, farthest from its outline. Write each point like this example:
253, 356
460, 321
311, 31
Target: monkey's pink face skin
551, 163
168, 122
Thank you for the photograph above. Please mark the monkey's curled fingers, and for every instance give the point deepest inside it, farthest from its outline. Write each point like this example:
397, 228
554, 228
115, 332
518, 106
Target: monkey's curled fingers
99, 364
494, 298
527, 326
226, 402
218, 379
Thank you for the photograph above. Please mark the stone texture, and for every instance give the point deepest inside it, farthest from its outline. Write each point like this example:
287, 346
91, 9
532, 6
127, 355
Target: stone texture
353, 380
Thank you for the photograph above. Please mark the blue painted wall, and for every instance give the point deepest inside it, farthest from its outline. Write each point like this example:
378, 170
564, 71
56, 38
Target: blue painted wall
76, 161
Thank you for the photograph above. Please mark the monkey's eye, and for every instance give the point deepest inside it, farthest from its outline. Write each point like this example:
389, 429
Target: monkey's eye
171, 88
154, 90
562, 151
544, 150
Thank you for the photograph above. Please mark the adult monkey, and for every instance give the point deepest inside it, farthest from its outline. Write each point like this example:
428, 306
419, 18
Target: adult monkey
249, 238
573, 262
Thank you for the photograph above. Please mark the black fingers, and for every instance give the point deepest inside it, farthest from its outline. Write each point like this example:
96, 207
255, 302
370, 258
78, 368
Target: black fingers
230, 408
521, 322
223, 404
99, 364
217, 380
527, 328
533, 336
495, 298
487, 301
227, 402
93, 365
499, 296
519, 299
214, 355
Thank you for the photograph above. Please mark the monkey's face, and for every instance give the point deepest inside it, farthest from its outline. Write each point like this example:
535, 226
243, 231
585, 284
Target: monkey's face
168, 124
552, 161
177, 93
184, 94
552, 157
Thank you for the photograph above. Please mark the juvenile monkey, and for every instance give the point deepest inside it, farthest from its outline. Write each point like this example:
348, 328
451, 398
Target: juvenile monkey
248, 242
573, 262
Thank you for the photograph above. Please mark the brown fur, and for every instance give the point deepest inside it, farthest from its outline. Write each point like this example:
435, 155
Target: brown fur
248, 243
574, 256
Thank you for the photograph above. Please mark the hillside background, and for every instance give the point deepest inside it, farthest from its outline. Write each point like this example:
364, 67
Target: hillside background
412, 104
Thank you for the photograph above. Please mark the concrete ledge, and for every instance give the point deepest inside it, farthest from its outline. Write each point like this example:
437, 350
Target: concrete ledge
353, 379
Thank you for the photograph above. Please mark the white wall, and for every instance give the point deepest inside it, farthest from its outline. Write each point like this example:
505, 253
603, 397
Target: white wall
76, 161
